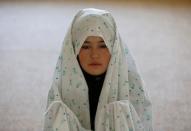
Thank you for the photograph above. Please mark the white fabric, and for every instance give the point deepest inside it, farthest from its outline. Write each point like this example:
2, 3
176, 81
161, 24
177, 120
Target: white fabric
123, 104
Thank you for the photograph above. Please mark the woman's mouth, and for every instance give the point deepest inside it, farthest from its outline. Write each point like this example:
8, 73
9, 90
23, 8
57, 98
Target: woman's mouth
95, 64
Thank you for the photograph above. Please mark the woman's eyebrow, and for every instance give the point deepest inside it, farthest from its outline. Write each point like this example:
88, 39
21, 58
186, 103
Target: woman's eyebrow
87, 42
101, 41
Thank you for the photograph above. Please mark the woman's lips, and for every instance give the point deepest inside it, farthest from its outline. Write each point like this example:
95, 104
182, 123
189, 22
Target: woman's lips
95, 64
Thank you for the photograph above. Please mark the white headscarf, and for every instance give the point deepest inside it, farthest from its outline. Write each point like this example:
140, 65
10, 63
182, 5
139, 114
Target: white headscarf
122, 86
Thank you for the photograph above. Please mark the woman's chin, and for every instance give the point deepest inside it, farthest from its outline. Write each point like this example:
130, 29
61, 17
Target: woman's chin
95, 73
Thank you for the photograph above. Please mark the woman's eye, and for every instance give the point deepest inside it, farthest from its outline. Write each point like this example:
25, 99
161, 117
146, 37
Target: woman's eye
103, 46
85, 47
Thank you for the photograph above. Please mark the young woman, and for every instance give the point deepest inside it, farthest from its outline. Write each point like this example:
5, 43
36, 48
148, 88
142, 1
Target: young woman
96, 85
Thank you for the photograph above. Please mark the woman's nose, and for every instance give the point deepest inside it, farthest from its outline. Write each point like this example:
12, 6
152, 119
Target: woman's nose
94, 53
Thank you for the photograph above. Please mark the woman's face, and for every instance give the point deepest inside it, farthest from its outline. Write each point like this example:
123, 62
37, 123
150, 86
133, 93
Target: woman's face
94, 55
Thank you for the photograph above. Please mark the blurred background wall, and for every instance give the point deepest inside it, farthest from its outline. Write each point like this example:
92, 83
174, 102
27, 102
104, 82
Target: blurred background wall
157, 32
